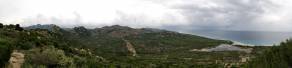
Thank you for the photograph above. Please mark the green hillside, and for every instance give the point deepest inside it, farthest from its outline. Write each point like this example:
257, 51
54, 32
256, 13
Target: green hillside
278, 56
110, 46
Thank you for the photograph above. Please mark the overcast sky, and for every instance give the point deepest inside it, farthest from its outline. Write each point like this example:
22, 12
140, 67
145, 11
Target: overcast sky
182, 15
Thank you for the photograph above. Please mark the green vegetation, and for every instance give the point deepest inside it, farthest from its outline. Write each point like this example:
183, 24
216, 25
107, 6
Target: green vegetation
8, 38
49, 56
279, 56
49, 46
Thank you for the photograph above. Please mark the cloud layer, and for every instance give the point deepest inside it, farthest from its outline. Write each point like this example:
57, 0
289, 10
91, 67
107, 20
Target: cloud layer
180, 15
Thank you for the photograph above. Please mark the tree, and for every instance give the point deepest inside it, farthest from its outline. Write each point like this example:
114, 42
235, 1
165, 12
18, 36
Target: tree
17, 27
11, 26
1, 25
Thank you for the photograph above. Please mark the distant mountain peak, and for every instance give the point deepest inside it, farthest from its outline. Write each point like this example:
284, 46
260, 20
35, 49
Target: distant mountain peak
116, 27
50, 27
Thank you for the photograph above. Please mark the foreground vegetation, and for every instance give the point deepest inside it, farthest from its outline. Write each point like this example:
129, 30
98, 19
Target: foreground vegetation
279, 56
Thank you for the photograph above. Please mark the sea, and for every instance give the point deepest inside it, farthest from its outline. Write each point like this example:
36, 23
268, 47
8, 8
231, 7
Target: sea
253, 38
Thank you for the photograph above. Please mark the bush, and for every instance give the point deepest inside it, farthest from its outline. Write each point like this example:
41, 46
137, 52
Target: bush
5, 51
49, 56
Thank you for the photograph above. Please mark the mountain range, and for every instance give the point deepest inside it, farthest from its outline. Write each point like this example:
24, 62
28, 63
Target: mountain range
114, 46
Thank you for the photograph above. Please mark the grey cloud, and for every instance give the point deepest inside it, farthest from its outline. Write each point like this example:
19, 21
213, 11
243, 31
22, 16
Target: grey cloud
66, 23
206, 15
226, 15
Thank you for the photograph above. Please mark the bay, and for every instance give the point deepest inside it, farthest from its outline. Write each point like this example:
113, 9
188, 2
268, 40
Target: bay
258, 38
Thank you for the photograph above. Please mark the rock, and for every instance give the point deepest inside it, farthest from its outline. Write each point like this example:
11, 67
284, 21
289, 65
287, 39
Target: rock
130, 48
16, 60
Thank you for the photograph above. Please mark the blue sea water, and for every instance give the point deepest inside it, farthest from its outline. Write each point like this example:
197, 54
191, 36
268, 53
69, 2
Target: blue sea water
258, 38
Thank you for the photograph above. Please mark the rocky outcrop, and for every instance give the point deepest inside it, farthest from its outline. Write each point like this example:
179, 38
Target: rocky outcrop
130, 48
16, 60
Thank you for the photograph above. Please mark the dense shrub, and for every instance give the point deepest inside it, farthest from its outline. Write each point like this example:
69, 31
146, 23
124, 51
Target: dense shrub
275, 57
48, 56
5, 51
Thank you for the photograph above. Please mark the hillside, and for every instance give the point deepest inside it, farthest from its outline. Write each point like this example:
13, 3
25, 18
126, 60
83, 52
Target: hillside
111, 46
278, 56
